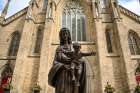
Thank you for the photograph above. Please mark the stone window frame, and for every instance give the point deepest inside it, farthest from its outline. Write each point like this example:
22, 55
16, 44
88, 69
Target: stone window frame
38, 41
35, 41
79, 18
102, 3
109, 41
14, 44
105, 6
134, 42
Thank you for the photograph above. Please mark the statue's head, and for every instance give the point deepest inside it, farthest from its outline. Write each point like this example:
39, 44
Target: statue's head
64, 36
76, 46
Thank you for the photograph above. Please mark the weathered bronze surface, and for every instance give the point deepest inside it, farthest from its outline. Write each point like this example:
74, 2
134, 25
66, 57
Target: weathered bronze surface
68, 73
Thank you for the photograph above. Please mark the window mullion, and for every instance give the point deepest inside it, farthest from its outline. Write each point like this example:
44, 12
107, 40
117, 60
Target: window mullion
66, 19
134, 45
76, 24
71, 22
14, 46
81, 28
132, 42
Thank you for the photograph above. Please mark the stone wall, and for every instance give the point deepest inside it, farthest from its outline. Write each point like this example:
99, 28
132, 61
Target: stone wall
117, 68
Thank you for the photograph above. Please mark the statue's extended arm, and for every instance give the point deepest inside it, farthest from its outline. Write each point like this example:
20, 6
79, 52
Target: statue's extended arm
88, 54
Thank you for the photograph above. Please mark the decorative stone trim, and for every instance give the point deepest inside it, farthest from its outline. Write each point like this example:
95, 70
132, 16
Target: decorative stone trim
24, 11
8, 58
129, 14
113, 55
135, 57
35, 55
81, 42
15, 16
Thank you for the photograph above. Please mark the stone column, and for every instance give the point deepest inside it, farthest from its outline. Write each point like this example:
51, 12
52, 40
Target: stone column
129, 64
105, 63
21, 80
96, 9
115, 8
46, 57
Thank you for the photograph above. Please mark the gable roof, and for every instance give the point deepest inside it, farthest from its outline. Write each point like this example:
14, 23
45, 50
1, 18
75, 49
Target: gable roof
15, 16
123, 10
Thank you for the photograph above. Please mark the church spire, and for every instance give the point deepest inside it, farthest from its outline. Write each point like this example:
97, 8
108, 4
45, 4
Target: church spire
4, 12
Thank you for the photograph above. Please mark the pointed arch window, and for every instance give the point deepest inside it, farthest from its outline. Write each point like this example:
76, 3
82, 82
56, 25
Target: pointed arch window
14, 45
105, 5
73, 18
102, 2
109, 36
45, 3
134, 43
38, 42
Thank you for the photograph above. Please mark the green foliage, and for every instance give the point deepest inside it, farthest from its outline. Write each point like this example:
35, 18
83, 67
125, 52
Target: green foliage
137, 89
37, 87
137, 71
8, 86
109, 89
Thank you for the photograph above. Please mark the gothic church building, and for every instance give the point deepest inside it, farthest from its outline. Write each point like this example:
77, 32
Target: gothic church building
28, 40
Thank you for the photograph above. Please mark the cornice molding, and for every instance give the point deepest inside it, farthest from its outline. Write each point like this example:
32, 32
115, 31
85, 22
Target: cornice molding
15, 16
129, 13
123, 10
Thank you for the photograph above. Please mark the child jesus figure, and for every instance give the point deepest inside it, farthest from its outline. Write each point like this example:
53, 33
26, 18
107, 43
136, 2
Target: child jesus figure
76, 62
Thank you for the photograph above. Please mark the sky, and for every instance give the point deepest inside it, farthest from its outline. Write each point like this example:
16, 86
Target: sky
132, 5
17, 5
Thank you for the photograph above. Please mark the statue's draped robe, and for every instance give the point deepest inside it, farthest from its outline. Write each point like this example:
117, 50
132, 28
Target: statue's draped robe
60, 77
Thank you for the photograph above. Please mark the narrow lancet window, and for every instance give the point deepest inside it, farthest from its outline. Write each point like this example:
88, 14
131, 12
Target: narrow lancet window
108, 34
14, 45
38, 43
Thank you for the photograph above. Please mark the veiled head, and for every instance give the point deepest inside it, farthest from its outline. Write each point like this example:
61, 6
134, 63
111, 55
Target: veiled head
64, 36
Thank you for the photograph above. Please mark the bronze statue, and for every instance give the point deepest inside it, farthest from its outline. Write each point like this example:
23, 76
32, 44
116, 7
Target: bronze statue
60, 75
76, 62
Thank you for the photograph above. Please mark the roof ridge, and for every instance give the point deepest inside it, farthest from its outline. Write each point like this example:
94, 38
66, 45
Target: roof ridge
123, 10
15, 16
129, 13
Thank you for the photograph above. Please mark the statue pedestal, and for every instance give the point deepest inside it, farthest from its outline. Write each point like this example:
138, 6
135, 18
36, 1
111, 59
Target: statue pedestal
6, 90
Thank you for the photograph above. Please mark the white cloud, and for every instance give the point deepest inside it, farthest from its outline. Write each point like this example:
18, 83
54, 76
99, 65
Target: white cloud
16, 6
2, 3
131, 5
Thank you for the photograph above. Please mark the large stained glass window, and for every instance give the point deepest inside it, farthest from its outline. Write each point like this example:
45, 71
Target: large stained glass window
73, 18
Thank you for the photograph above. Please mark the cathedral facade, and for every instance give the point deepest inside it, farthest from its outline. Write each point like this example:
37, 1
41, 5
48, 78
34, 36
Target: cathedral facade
28, 41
